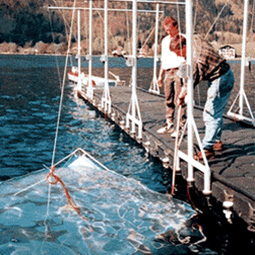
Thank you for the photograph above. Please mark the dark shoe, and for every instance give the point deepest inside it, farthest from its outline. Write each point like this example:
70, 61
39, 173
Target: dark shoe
218, 146
208, 153
168, 128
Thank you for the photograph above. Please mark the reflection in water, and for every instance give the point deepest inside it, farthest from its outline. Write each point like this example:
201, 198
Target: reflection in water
29, 100
118, 215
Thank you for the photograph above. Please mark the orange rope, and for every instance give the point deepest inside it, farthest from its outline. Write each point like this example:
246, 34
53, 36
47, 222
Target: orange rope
69, 199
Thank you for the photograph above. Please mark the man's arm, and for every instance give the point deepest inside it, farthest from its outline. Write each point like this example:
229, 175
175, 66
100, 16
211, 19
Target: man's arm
161, 77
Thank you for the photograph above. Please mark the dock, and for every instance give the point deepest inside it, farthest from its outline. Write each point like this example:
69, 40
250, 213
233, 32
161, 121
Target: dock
232, 170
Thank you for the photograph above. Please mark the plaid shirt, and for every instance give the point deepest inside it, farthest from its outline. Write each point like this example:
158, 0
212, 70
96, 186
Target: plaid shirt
208, 64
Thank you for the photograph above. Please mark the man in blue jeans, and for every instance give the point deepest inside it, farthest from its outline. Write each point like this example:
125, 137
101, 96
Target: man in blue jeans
208, 65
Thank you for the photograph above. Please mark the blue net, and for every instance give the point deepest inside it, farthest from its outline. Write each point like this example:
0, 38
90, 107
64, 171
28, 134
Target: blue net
109, 213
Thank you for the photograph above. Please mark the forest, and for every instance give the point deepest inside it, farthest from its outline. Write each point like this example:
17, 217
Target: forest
29, 27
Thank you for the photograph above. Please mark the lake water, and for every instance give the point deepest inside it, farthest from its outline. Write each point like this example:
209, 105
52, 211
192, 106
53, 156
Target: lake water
30, 88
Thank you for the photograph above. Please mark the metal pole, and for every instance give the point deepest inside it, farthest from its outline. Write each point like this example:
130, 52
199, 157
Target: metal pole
101, 9
106, 100
155, 87
106, 40
134, 68
90, 89
79, 51
243, 61
189, 36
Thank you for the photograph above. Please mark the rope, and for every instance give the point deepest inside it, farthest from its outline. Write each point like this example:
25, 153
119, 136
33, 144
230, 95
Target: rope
55, 50
216, 20
179, 22
69, 199
62, 88
128, 34
100, 16
151, 33
252, 17
195, 15
176, 148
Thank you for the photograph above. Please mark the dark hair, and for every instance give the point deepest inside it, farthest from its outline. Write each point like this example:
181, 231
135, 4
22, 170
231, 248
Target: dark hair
169, 21
178, 45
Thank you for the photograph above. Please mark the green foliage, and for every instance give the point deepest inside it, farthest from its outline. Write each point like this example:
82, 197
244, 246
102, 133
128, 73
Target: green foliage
24, 21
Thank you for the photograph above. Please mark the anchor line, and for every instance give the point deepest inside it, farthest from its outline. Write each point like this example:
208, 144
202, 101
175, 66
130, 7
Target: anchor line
62, 88
70, 202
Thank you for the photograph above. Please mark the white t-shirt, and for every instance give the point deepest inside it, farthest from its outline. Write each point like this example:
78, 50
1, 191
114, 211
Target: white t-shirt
169, 59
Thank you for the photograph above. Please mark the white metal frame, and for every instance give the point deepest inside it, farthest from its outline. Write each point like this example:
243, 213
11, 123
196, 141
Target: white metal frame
191, 125
133, 115
241, 95
90, 90
79, 50
106, 101
154, 88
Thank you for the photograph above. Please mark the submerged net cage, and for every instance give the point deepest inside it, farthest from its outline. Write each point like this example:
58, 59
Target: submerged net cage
94, 211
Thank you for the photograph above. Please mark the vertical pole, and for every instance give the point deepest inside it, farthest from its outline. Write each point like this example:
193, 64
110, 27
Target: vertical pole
106, 40
155, 87
189, 36
90, 89
245, 17
106, 101
134, 68
79, 50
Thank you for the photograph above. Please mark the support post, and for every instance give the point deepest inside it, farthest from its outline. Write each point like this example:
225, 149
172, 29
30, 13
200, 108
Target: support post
133, 113
89, 57
79, 51
242, 96
189, 36
106, 99
191, 125
154, 85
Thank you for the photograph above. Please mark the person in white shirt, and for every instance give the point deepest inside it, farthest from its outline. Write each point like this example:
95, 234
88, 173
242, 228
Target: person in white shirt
168, 78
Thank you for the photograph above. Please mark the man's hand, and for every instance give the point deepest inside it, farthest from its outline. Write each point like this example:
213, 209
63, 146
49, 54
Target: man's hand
160, 82
161, 77
182, 96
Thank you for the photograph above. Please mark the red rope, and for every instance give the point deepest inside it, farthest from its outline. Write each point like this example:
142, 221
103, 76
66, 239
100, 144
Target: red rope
69, 199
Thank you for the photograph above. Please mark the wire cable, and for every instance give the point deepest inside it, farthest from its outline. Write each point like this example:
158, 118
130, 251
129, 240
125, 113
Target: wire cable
62, 88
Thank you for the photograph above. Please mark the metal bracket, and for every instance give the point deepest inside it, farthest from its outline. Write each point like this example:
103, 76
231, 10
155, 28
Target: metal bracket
228, 197
103, 58
184, 71
227, 205
130, 61
88, 57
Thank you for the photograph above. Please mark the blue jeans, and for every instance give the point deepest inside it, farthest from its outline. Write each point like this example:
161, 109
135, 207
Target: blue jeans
217, 97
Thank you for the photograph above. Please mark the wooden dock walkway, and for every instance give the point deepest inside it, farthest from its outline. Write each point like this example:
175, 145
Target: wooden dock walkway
233, 169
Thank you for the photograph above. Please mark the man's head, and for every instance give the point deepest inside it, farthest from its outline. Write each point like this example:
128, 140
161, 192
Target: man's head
170, 26
178, 45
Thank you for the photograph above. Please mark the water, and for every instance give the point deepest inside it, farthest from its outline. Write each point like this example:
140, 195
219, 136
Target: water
29, 103
113, 215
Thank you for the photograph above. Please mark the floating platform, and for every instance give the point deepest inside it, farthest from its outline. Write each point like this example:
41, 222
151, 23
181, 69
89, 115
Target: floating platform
232, 170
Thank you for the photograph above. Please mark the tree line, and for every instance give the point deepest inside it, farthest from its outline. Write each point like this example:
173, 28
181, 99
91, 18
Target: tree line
27, 26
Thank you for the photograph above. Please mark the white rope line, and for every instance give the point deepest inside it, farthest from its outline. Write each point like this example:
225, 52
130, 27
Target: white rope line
195, 16
252, 17
216, 20
62, 89
47, 212
29, 187
151, 32
46, 167
58, 121
58, 69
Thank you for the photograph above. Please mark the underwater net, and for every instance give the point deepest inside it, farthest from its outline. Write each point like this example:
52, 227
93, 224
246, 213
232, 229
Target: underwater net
114, 214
